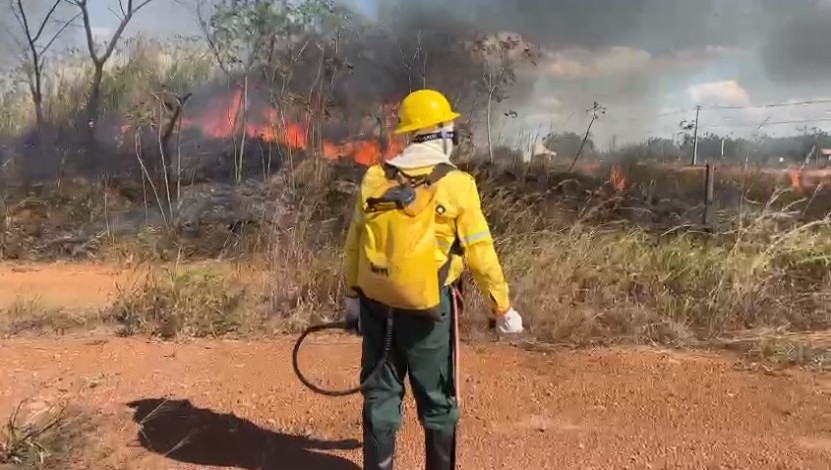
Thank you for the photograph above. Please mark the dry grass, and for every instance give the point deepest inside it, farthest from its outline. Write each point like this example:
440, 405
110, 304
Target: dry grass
307, 283
780, 348
179, 302
579, 272
28, 315
783, 351
48, 437
586, 284
579, 282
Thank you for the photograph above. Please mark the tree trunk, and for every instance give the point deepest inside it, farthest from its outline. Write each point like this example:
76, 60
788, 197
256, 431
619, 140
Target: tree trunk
582, 143
490, 142
37, 98
94, 102
243, 131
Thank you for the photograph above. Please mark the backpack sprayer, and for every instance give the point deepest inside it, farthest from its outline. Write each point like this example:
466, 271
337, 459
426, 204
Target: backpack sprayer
401, 193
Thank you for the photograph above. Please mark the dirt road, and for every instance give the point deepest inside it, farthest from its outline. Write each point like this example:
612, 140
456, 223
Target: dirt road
225, 404
238, 405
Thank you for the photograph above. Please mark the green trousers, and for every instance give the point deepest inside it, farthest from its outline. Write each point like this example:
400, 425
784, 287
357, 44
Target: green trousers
421, 348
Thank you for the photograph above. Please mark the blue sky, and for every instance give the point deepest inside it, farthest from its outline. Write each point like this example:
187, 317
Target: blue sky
159, 17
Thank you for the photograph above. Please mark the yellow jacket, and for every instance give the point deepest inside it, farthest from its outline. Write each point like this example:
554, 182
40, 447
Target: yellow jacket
458, 194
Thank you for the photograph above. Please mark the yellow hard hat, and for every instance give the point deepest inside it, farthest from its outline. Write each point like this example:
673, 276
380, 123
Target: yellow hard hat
422, 109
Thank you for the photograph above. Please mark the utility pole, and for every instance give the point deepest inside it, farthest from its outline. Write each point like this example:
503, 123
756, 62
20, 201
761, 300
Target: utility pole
816, 146
695, 137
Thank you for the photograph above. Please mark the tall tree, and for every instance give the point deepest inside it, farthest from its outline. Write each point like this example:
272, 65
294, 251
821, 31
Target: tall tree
37, 41
500, 54
99, 59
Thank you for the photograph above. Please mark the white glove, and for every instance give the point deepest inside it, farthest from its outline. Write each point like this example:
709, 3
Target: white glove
510, 323
353, 311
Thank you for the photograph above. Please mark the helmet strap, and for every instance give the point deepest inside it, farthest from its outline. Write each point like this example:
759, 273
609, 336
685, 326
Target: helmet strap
444, 135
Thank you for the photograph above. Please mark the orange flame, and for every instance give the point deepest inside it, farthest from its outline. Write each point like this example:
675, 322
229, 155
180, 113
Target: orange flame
618, 179
796, 181
806, 181
222, 114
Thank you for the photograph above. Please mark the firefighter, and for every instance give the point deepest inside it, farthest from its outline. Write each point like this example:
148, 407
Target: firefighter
422, 346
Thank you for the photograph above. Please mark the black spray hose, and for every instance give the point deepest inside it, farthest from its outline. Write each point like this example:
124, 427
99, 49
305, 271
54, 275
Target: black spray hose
341, 326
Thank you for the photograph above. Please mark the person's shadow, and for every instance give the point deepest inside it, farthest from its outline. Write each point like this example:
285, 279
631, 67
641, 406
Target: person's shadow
180, 431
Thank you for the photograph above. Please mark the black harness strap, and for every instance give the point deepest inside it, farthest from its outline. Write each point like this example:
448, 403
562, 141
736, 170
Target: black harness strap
444, 271
439, 172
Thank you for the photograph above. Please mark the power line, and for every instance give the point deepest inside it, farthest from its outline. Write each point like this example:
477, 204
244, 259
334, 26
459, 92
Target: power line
659, 130
718, 107
772, 105
673, 113
646, 116
769, 123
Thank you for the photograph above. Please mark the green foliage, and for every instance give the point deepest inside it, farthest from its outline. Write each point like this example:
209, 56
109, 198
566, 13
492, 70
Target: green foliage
758, 150
500, 55
142, 69
250, 33
567, 143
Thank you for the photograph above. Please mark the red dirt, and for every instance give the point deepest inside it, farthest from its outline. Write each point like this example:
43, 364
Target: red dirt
588, 409
71, 286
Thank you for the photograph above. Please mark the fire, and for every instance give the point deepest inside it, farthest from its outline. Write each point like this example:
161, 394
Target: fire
796, 181
806, 181
618, 179
267, 125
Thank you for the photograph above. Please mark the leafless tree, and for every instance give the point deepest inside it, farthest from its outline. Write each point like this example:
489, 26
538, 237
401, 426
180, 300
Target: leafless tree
500, 56
596, 111
128, 9
36, 45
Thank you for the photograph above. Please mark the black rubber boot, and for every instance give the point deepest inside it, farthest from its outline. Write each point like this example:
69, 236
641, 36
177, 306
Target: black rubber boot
440, 450
378, 454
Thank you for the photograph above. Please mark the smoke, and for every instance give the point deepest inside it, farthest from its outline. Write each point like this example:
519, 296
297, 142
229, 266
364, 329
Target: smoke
389, 60
639, 58
642, 58
798, 50
653, 25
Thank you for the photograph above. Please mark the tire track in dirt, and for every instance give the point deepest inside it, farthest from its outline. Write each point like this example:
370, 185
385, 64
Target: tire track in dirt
239, 406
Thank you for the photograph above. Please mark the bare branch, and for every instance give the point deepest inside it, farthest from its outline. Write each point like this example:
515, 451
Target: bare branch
35, 57
203, 25
82, 5
122, 25
45, 19
20, 16
59, 32
93, 102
